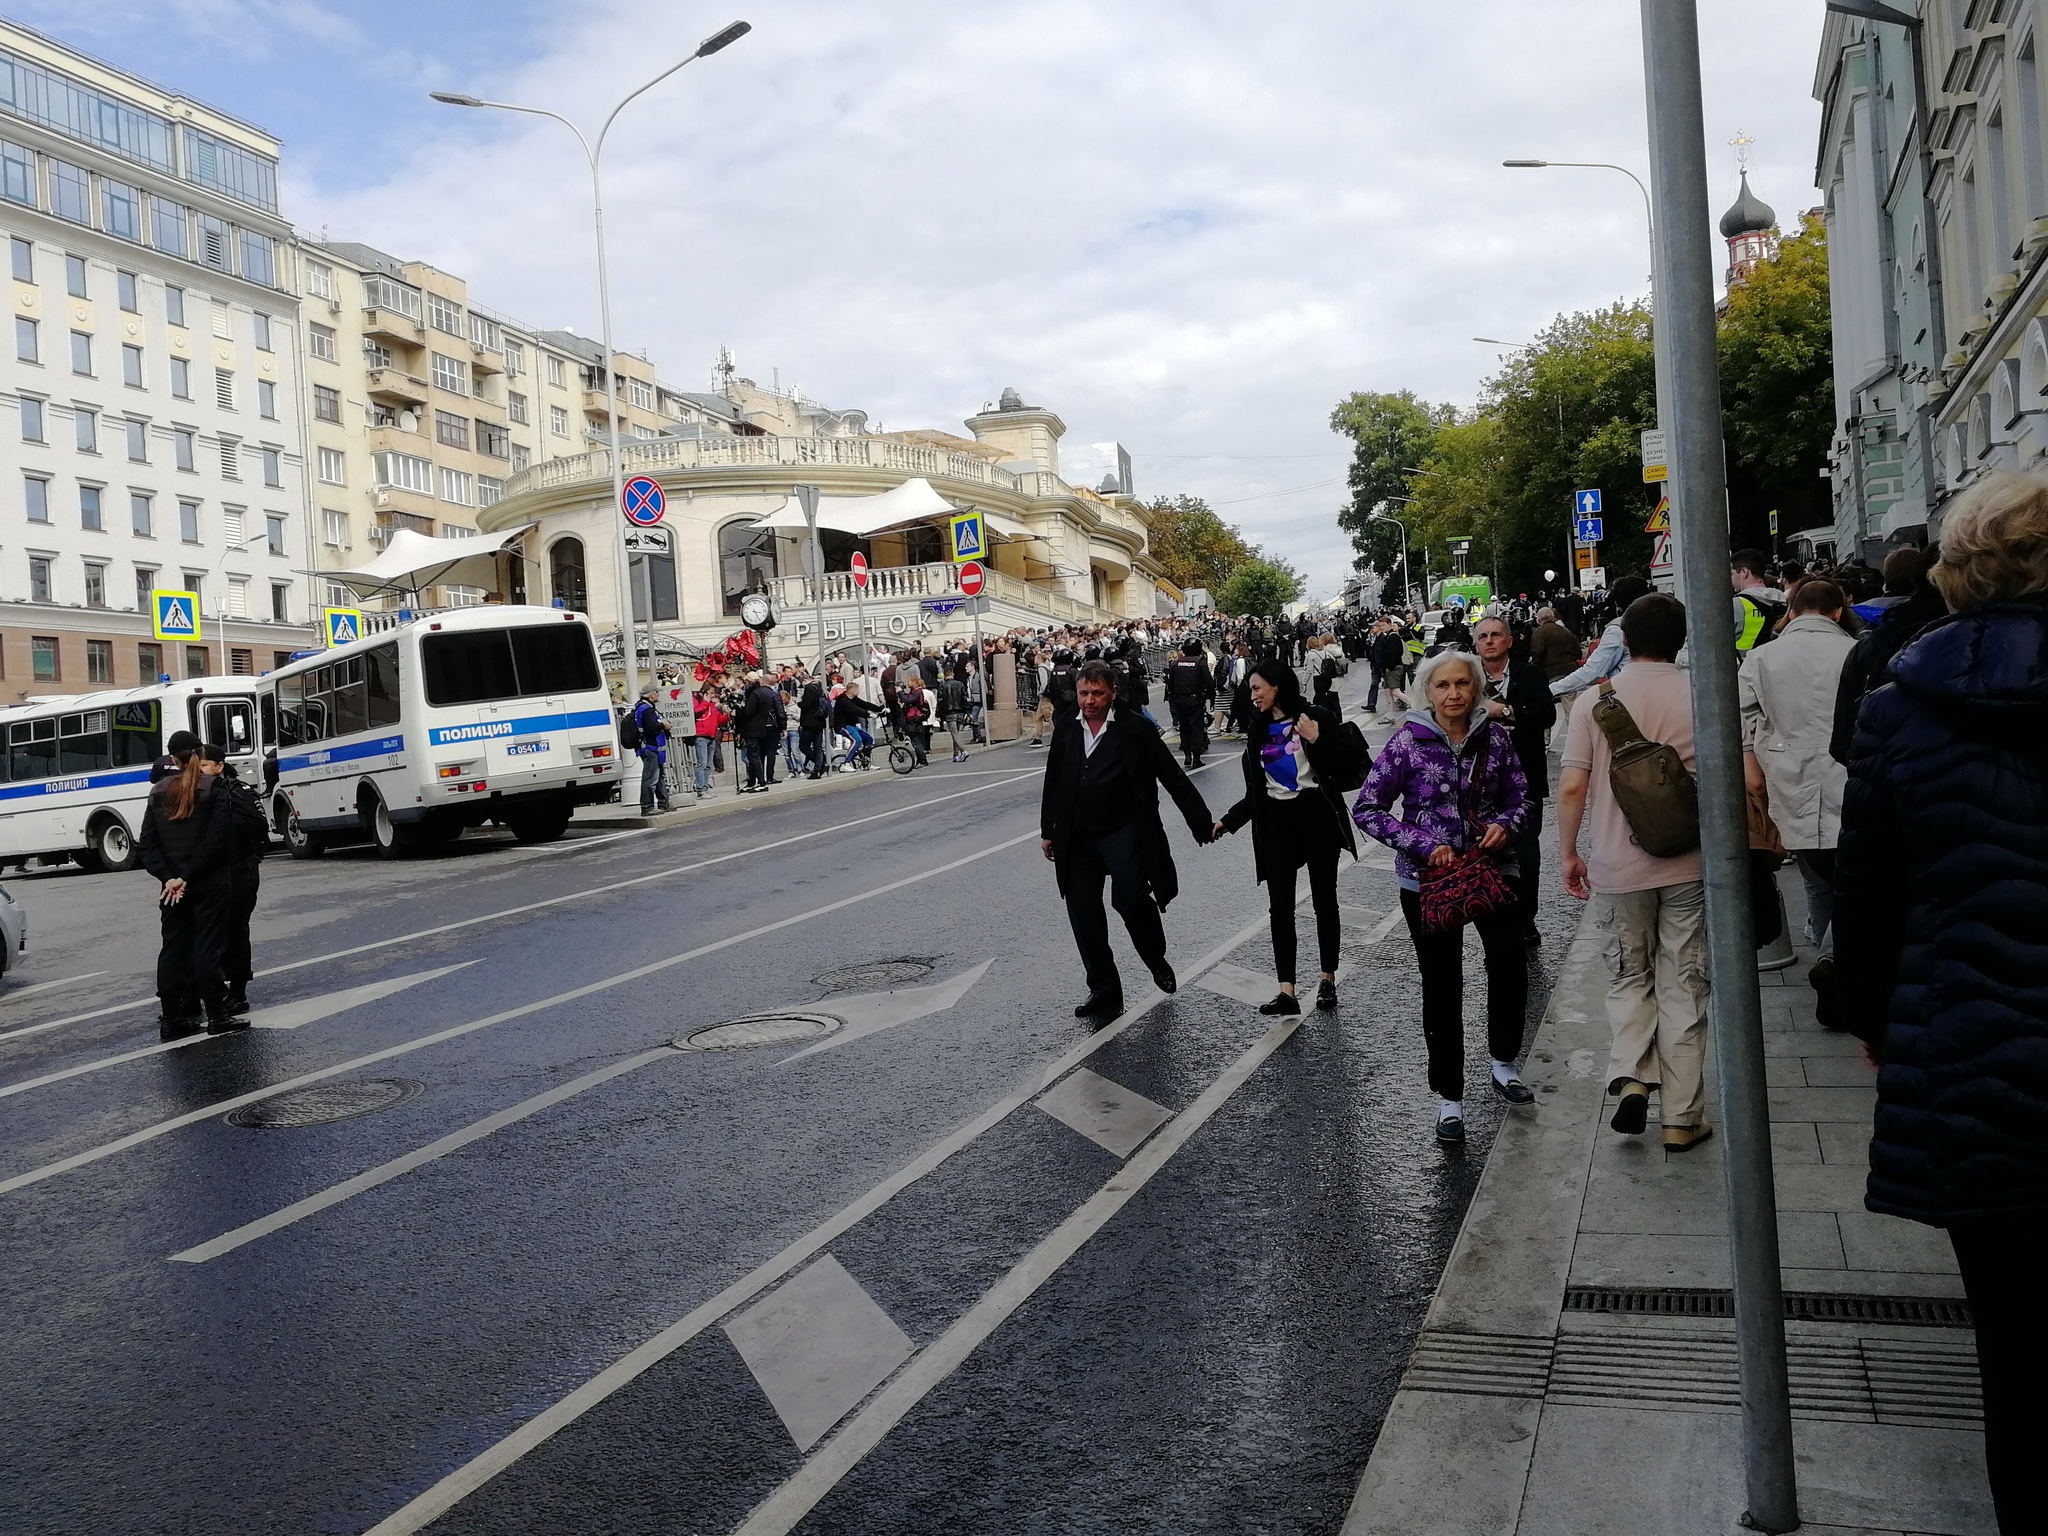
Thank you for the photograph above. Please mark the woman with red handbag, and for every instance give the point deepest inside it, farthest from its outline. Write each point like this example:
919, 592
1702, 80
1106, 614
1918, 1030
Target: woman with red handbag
1463, 798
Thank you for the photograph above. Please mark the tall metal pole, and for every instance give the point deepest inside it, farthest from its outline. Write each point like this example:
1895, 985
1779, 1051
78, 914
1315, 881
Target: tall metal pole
1678, 139
807, 498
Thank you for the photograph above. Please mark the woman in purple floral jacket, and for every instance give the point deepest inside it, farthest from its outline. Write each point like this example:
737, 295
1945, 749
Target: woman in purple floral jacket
1460, 785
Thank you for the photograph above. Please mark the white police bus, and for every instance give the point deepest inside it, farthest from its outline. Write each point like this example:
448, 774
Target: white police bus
406, 737
74, 780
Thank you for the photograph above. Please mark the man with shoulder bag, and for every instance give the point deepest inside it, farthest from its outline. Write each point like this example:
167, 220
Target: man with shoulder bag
1629, 767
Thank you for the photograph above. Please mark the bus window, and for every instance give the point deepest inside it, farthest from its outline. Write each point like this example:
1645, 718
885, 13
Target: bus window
468, 668
32, 749
381, 667
555, 658
82, 745
228, 723
269, 720
138, 734
351, 697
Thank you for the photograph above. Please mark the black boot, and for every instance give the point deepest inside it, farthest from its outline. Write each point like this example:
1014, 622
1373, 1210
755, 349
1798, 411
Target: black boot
179, 1018
219, 1019
238, 994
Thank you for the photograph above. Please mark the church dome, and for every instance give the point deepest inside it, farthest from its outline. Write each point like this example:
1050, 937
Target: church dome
1751, 215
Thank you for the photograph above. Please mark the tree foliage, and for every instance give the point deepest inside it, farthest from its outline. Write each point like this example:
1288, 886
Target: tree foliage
1259, 589
1194, 546
1391, 434
1778, 388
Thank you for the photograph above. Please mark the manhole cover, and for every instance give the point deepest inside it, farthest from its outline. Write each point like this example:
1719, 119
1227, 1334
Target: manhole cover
761, 1029
876, 973
324, 1102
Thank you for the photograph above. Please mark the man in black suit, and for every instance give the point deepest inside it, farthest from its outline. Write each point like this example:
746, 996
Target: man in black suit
1100, 817
1517, 694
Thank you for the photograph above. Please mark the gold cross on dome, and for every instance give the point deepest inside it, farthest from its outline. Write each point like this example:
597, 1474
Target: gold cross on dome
1742, 142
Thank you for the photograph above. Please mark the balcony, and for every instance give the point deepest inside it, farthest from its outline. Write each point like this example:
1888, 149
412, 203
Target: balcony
655, 456
394, 386
392, 328
1012, 601
483, 360
389, 522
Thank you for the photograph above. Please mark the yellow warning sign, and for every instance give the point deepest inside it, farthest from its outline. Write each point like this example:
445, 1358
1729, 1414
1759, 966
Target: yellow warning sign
1660, 520
1656, 474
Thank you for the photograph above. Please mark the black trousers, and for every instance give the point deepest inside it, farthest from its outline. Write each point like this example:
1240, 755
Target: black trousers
812, 744
237, 964
188, 966
1441, 957
761, 757
2002, 1264
1111, 855
1191, 719
1296, 835
1529, 854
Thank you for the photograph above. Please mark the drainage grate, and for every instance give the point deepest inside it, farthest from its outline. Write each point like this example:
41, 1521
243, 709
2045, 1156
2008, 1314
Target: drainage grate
875, 973
324, 1103
760, 1029
1803, 1306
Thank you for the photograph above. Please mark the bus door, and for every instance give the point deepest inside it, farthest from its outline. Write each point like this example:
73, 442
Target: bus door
231, 722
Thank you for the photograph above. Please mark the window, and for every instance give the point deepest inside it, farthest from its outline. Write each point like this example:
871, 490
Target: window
27, 346
131, 366
534, 660
140, 508
444, 314
168, 232
95, 585
195, 583
31, 419
493, 440
213, 243
262, 332
326, 403
333, 467
185, 440
85, 429
383, 293
149, 658
121, 210
181, 379
566, 580
642, 393
231, 526
406, 471
273, 530
451, 430
266, 399
89, 508
81, 353
35, 496
75, 277
458, 487
484, 332
145, 585
195, 661
188, 522
746, 561
489, 490
23, 253
280, 603
238, 597
224, 388
558, 420
174, 305
18, 174
376, 355
231, 459
334, 528
520, 458
515, 407
451, 373
39, 578
273, 468
320, 342
319, 279
124, 286
42, 650
138, 439
515, 359
70, 193
99, 661
558, 373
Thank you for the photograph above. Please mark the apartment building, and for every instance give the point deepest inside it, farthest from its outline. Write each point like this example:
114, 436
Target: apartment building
148, 404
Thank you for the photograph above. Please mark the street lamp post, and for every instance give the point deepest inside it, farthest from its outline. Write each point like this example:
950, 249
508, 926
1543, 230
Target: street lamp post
594, 152
1407, 576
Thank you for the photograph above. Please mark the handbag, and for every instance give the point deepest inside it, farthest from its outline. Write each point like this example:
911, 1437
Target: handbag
1467, 888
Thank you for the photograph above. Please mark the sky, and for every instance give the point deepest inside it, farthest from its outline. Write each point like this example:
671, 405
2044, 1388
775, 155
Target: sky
1187, 227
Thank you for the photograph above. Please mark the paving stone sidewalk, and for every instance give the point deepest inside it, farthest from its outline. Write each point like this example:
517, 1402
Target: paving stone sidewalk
1570, 1380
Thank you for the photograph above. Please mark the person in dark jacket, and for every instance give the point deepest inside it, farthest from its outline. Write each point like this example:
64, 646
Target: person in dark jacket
1190, 693
181, 746
813, 714
1099, 817
1867, 667
1298, 820
1941, 947
187, 843
248, 841
758, 723
1517, 695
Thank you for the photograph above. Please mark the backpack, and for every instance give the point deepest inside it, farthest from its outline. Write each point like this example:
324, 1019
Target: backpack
911, 700
1656, 793
629, 730
1065, 688
249, 829
1353, 759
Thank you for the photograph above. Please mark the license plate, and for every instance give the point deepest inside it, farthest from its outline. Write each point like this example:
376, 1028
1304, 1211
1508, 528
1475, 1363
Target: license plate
525, 748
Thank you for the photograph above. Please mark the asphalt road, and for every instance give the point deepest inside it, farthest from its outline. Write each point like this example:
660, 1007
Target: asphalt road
966, 1265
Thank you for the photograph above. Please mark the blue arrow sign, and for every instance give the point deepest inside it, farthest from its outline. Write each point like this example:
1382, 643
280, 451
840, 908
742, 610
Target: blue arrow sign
1588, 530
1587, 502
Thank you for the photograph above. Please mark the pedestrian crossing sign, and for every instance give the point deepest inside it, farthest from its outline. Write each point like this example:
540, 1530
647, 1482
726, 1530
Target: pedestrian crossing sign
176, 614
344, 625
967, 538
1660, 520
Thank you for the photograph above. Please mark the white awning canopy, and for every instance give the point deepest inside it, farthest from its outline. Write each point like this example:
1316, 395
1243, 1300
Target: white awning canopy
412, 561
914, 501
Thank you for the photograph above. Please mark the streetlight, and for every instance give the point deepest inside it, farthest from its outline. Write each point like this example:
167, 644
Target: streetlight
1512, 346
1407, 576
593, 152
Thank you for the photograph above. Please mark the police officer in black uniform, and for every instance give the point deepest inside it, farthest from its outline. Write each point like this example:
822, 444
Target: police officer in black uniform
1190, 693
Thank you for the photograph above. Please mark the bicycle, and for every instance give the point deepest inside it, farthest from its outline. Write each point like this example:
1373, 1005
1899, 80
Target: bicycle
902, 756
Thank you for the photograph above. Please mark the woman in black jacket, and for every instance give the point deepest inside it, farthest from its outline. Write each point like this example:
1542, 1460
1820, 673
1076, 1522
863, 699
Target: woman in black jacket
1941, 951
187, 843
1293, 752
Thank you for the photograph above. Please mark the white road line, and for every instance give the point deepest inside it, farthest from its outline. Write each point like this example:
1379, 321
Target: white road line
836, 829
458, 1485
47, 986
1387, 925
179, 1122
384, 1173
799, 1495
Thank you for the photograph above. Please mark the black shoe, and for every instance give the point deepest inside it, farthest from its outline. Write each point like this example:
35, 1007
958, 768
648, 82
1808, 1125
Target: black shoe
1632, 1114
1283, 1003
1326, 996
1514, 1090
219, 1021
179, 1026
1103, 1005
1164, 979
1827, 1009
238, 1000
1532, 939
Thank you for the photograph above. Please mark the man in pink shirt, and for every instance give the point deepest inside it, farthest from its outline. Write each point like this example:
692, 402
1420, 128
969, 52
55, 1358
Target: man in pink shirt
1651, 912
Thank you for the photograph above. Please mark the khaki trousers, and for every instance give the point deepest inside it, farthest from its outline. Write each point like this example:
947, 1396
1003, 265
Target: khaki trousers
1654, 944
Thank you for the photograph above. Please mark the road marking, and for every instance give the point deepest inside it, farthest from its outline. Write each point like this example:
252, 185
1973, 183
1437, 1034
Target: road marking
873, 1012
384, 1173
1387, 925
284, 1016
782, 1510
816, 1347
48, 986
589, 989
837, 829
427, 1507
1108, 1114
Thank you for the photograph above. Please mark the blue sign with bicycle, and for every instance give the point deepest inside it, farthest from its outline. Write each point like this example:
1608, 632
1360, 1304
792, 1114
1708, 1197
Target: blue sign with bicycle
644, 502
1588, 530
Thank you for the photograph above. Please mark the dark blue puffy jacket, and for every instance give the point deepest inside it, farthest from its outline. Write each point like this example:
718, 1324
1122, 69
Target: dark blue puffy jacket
1941, 922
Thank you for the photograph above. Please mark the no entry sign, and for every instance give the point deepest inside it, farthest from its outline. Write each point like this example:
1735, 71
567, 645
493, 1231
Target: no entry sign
971, 578
860, 570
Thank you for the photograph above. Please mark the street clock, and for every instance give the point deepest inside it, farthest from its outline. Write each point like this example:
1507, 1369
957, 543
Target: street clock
757, 612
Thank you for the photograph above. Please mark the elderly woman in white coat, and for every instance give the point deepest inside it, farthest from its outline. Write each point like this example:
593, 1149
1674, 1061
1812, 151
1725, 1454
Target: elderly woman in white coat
1788, 701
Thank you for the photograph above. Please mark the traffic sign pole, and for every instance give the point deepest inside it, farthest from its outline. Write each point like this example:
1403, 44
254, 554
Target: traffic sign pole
860, 611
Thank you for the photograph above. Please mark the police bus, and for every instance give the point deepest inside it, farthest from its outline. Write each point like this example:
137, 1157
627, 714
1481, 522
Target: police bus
74, 780
406, 737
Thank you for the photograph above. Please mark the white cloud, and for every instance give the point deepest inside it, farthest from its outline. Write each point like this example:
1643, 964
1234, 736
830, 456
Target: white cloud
1188, 228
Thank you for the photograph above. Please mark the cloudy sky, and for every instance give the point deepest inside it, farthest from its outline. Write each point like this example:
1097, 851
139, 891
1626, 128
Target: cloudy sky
1188, 227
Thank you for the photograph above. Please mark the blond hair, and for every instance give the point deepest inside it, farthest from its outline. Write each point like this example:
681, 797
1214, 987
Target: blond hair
1994, 542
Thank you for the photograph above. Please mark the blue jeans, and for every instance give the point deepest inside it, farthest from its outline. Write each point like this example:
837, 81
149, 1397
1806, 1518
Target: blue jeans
792, 750
704, 747
653, 780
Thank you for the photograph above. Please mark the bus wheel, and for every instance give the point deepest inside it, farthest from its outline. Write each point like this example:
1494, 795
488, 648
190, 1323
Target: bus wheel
298, 842
390, 839
540, 826
112, 847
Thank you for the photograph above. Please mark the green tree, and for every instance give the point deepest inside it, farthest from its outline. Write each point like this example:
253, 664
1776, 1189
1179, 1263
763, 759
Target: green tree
1778, 389
1259, 589
1391, 434
1194, 546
